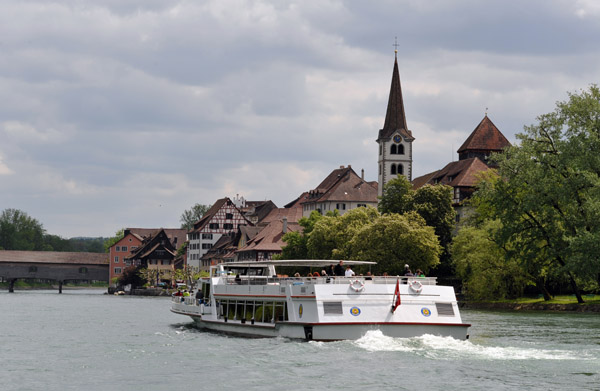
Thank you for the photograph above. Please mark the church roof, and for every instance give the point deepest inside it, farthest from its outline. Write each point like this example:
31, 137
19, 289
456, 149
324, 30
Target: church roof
395, 119
485, 137
343, 184
462, 173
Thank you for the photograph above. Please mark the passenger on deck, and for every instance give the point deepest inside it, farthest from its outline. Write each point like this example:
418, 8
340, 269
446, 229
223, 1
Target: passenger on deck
339, 269
349, 272
297, 275
407, 271
419, 273
238, 279
368, 277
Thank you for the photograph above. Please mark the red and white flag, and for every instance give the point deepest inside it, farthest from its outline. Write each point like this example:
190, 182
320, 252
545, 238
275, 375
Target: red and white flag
397, 300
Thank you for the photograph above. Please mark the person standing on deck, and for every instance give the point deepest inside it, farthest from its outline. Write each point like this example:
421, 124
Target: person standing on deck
339, 269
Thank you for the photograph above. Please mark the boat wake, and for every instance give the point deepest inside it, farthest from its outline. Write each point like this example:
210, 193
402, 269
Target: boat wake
448, 348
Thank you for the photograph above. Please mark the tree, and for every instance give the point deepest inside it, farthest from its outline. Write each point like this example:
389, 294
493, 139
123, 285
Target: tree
331, 235
393, 240
397, 196
548, 199
297, 242
433, 203
109, 242
484, 267
18, 231
131, 275
192, 215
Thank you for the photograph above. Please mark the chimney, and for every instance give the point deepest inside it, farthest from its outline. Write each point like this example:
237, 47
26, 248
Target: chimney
362, 174
284, 224
341, 166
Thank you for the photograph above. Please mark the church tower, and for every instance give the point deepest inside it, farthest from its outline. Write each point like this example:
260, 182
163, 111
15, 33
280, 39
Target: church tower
395, 140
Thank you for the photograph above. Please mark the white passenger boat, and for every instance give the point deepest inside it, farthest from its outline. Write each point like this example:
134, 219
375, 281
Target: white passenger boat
249, 299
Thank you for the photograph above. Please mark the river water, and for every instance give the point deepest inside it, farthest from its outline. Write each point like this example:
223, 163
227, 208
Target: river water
85, 340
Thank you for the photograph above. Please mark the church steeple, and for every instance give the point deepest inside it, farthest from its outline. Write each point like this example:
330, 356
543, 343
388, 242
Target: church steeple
395, 140
395, 117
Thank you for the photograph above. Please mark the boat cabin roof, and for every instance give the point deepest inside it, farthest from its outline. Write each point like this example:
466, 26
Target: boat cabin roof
293, 262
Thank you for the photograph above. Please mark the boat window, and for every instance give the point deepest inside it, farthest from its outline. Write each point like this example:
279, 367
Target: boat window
333, 308
444, 309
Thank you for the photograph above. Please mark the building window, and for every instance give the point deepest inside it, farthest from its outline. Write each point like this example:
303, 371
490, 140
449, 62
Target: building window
206, 246
361, 205
400, 149
117, 270
127, 262
133, 248
393, 150
165, 262
380, 149
116, 259
124, 248
340, 206
118, 248
393, 169
207, 236
227, 226
213, 226
400, 169
83, 270
229, 216
380, 169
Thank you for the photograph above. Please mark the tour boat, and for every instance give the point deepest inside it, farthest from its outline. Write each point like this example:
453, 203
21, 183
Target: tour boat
249, 299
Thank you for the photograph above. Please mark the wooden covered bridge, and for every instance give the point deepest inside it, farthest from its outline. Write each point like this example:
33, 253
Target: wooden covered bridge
51, 265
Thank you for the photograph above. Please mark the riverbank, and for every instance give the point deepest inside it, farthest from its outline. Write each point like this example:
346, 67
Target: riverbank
531, 306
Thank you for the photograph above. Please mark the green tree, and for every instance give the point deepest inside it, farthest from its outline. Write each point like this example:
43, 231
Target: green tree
393, 240
484, 267
296, 242
397, 196
18, 231
549, 196
433, 203
109, 242
331, 235
192, 215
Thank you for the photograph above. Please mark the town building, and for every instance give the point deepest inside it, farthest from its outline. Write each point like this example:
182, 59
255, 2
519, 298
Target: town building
473, 159
221, 219
343, 190
394, 139
121, 251
158, 251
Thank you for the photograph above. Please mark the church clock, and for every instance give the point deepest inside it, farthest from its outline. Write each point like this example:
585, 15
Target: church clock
397, 138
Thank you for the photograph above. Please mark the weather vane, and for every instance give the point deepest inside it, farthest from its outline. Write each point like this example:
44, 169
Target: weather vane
396, 44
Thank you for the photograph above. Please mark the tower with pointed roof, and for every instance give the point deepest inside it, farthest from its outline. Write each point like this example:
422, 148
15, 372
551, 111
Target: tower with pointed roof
395, 140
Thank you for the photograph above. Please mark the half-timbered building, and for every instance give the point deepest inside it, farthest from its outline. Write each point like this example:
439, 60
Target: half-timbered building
221, 219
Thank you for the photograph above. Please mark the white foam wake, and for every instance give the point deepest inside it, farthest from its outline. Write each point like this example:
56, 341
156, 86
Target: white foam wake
449, 348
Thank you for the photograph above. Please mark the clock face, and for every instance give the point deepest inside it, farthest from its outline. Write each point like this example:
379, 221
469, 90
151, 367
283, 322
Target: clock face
397, 138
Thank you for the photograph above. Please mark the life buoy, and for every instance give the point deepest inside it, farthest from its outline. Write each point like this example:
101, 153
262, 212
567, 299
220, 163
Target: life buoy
357, 285
415, 286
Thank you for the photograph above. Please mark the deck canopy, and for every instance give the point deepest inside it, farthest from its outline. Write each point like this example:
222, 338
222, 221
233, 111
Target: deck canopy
295, 262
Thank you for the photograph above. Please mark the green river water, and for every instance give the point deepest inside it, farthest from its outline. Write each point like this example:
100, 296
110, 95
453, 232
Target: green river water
86, 340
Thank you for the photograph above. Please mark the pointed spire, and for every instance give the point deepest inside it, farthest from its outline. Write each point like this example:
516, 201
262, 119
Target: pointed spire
395, 118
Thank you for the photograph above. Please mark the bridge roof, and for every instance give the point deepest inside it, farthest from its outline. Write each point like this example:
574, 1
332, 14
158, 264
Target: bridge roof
54, 257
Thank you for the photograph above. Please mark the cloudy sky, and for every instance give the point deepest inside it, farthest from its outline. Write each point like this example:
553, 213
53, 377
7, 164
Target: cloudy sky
124, 113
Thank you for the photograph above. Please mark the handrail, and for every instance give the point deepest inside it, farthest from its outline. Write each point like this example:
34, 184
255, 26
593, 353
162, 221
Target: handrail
264, 280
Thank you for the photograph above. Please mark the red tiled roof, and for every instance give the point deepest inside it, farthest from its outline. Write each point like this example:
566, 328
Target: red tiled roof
53, 257
343, 184
462, 173
292, 214
270, 237
485, 137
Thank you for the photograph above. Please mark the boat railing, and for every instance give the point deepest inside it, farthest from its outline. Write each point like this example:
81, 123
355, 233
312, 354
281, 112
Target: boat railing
263, 280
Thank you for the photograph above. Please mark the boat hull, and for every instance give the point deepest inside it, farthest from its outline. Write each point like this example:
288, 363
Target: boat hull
327, 332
